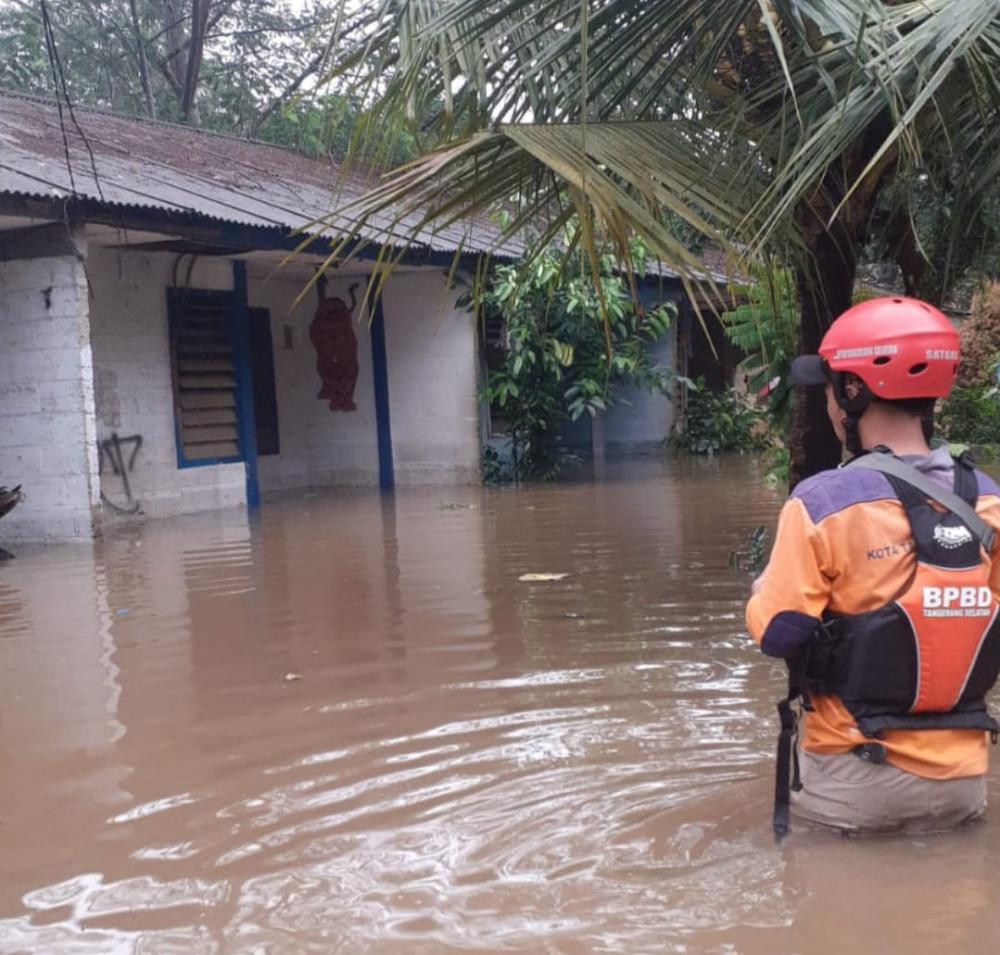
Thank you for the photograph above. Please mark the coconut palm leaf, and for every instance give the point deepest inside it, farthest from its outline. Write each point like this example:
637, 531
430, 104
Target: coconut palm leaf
737, 116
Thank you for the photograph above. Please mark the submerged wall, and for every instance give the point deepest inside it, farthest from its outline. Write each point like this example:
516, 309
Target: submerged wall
431, 349
47, 432
431, 364
319, 447
640, 421
133, 386
431, 358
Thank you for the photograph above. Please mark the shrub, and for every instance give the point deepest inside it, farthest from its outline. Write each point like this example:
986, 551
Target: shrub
766, 327
981, 340
971, 415
721, 421
557, 364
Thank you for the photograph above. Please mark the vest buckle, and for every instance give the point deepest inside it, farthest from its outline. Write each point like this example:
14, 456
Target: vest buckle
873, 753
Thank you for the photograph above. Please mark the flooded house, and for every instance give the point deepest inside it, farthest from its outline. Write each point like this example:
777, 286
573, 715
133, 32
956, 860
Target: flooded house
157, 353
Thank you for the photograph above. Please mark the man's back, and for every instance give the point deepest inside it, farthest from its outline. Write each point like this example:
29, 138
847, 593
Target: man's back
844, 546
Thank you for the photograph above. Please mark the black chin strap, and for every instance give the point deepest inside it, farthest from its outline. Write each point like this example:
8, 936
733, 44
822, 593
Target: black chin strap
852, 440
853, 409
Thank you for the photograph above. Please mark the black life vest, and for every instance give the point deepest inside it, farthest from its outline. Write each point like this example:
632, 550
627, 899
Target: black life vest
924, 661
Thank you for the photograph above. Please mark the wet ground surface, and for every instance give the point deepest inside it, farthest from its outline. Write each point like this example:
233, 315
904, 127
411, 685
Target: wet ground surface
350, 727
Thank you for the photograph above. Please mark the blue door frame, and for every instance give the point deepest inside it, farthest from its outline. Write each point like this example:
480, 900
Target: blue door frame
237, 305
380, 378
244, 371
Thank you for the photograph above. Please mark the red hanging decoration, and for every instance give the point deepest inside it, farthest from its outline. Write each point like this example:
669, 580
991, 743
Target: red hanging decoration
332, 335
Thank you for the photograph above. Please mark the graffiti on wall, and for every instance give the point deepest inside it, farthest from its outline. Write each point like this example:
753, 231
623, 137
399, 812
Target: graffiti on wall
332, 335
119, 455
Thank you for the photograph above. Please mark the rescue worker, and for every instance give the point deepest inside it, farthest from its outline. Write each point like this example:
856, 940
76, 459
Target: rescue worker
882, 592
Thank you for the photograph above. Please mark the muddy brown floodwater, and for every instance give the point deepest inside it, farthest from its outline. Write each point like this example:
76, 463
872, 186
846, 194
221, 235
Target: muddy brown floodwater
350, 727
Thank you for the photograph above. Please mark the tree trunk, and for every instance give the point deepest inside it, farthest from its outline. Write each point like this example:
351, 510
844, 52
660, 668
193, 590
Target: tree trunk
173, 29
825, 282
189, 95
140, 44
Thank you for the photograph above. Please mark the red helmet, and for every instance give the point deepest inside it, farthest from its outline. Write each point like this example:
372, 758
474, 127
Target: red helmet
899, 347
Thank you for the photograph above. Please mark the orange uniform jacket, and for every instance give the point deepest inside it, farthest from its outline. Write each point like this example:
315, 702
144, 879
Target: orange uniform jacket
844, 545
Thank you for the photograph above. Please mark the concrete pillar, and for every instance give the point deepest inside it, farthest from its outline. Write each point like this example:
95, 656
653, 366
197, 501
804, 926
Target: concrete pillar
48, 433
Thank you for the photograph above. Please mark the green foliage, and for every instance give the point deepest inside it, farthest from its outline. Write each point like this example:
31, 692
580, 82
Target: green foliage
972, 415
722, 421
949, 232
766, 328
494, 469
557, 364
325, 125
778, 462
260, 59
753, 557
981, 340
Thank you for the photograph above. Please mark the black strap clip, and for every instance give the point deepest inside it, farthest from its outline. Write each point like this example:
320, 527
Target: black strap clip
873, 753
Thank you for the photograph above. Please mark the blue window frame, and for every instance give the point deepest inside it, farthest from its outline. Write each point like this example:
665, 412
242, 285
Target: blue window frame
207, 377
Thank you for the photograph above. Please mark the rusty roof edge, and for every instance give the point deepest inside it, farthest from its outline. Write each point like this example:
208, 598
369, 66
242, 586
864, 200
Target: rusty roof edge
172, 221
165, 124
490, 245
332, 170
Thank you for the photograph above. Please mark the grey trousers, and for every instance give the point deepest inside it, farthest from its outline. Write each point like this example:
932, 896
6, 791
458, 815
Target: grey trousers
846, 793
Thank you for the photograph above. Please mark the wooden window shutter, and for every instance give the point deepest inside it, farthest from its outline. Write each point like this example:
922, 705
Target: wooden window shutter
206, 396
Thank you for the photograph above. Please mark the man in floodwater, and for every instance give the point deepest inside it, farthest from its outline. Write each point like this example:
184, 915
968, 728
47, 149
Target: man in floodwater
883, 592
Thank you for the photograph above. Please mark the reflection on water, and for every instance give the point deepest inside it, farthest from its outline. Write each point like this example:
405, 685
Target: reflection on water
349, 727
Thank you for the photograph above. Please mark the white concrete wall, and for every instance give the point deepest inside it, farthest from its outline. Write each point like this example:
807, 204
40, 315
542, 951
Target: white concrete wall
319, 447
642, 425
47, 435
431, 349
433, 381
133, 389
431, 354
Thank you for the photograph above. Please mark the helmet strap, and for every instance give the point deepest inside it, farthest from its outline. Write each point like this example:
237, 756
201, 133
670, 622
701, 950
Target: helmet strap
854, 408
852, 439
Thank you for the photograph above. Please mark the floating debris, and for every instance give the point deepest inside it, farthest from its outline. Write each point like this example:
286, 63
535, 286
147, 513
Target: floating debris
537, 577
292, 677
9, 499
753, 558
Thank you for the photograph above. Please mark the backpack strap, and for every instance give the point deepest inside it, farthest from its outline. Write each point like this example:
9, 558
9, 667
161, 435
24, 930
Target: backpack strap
893, 467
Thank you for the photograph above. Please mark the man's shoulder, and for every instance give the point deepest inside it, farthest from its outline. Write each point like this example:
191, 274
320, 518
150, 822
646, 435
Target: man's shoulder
829, 492
987, 486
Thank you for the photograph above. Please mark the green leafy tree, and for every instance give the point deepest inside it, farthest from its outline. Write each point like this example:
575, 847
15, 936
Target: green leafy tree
326, 125
568, 349
227, 65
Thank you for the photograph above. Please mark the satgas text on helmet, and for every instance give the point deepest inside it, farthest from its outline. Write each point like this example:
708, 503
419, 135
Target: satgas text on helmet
958, 602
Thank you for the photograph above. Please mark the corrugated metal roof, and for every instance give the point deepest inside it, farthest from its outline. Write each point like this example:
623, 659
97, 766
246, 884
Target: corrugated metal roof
177, 169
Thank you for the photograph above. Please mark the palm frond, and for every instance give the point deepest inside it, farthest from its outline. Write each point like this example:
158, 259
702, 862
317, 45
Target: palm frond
732, 115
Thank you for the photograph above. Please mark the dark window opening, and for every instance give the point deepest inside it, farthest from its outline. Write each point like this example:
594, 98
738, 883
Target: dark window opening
265, 398
494, 344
